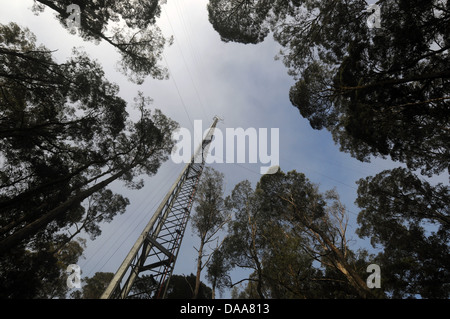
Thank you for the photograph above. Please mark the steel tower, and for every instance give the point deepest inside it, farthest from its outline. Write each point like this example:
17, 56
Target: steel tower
148, 267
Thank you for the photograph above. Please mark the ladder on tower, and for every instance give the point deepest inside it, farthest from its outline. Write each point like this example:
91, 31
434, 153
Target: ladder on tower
148, 267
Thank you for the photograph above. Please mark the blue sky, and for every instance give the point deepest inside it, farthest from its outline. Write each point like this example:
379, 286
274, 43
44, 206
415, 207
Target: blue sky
242, 84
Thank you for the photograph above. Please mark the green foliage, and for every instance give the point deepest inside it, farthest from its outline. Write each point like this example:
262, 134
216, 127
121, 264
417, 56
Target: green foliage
94, 287
217, 272
182, 287
293, 239
380, 92
209, 218
39, 274
179, 287
209, 211
240, 21
409, 219
130, 27
64, 129
64, 136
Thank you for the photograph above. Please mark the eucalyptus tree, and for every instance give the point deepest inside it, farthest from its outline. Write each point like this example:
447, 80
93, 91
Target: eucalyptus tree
244, 245
379, 91
218, 272
293, 239
407, 218
209, 218
65, 135
128, 26
316, 223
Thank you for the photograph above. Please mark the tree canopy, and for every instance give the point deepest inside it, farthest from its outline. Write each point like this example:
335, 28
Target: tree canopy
93, 287
130, 27
209, 218
293, 238
380, 92
409, 219
182, 287
65, 135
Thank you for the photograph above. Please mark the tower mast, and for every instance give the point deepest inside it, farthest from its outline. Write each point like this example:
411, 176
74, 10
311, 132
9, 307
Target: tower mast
156, 250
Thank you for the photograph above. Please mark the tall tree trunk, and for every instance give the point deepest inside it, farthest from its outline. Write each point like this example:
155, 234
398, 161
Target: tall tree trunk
42, 187
341, 264
199, 267
32, 228
260, 280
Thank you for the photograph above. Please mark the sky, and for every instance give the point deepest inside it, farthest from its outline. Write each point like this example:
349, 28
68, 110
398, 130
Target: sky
242, 84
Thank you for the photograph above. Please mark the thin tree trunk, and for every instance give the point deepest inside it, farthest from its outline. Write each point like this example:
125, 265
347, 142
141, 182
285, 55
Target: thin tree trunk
63, 13
68, 240
260, 279
32, 228
31, 217
341, 264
